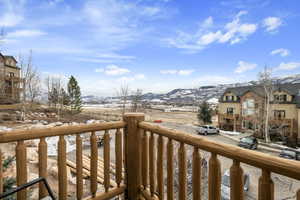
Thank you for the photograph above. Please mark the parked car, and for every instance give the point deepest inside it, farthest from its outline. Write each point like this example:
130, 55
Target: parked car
291, 154
207, 130
249, 142
225, 185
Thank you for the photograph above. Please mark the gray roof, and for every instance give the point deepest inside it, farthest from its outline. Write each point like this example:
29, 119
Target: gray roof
292, 89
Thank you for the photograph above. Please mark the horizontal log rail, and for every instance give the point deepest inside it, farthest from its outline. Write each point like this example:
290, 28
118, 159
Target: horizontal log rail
30, 134
278, 165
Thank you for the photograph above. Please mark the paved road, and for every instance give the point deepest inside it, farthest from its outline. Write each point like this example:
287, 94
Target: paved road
285, 188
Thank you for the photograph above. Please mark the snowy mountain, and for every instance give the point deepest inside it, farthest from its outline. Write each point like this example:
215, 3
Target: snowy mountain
190, 96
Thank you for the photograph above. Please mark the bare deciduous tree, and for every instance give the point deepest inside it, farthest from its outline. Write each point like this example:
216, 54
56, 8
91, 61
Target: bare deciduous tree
123, 93
2, 68
266, 81
136, 100
31, 84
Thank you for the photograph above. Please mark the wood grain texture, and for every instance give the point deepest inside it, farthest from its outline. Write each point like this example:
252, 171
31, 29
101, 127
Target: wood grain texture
119, 157
145, 159
62, 169
133, 153
79, 171
25, 134
21, 159
182, 193
42, 151
289, 168
196, 174
152, 164
1, 173
160, 171
170, 170
236, 181
265, 186
106, 161
298, 195
94, 163
214, 178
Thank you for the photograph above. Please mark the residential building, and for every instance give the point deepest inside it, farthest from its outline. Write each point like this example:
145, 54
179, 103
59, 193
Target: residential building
244, 109
10, 79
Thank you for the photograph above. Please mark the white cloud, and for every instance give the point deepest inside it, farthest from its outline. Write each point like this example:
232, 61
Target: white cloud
282, 52
135, 77
232, 32
288, 66
113, 70
271, 24
244, 66
26, 33
183, 72
115, 56
10, 19
208, 22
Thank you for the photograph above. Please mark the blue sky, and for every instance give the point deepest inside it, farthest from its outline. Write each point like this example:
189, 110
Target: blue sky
155, 45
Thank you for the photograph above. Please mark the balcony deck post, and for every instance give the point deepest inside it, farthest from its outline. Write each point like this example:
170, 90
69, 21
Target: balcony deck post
132, 151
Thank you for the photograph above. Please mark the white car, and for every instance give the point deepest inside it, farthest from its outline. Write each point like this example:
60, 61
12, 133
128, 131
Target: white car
207, 130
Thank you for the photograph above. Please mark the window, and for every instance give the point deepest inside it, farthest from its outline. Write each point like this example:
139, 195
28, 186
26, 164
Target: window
11, 74
229, 98
280, 98
249, 107
230, 111
279, 114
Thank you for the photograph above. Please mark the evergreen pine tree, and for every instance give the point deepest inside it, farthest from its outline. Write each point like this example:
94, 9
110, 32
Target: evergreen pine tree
204, 113
74, 94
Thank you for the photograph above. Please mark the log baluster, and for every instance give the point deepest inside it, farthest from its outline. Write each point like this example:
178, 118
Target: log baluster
214, 178
265, 186
170, 171
119, 157
42, 166
62, 169
196, 174
152, 164
106, 161
182, 172
236, 181
94, 163
1, 173
298, 195
79, 171
21, 160
160, 161
145, 160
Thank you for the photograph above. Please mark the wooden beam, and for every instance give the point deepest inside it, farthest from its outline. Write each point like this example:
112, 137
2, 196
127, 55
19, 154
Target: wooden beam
29, 134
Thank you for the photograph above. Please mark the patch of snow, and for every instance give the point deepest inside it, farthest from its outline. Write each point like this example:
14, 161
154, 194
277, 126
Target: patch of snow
231, 132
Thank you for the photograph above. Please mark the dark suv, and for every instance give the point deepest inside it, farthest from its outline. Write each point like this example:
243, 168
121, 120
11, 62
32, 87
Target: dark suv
249, 142
291, 154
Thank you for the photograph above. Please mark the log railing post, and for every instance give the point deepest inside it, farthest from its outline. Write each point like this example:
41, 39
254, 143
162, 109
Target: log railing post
132, 135
21, 156
1, 173
42, 166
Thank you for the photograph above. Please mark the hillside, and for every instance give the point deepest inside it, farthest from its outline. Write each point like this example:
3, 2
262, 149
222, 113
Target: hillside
190, 96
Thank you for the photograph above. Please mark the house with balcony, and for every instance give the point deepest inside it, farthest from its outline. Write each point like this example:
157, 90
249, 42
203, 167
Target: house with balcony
244, 109
10, 79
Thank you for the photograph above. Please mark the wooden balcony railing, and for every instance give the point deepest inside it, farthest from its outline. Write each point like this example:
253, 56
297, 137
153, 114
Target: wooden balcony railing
144, 148
20, 136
